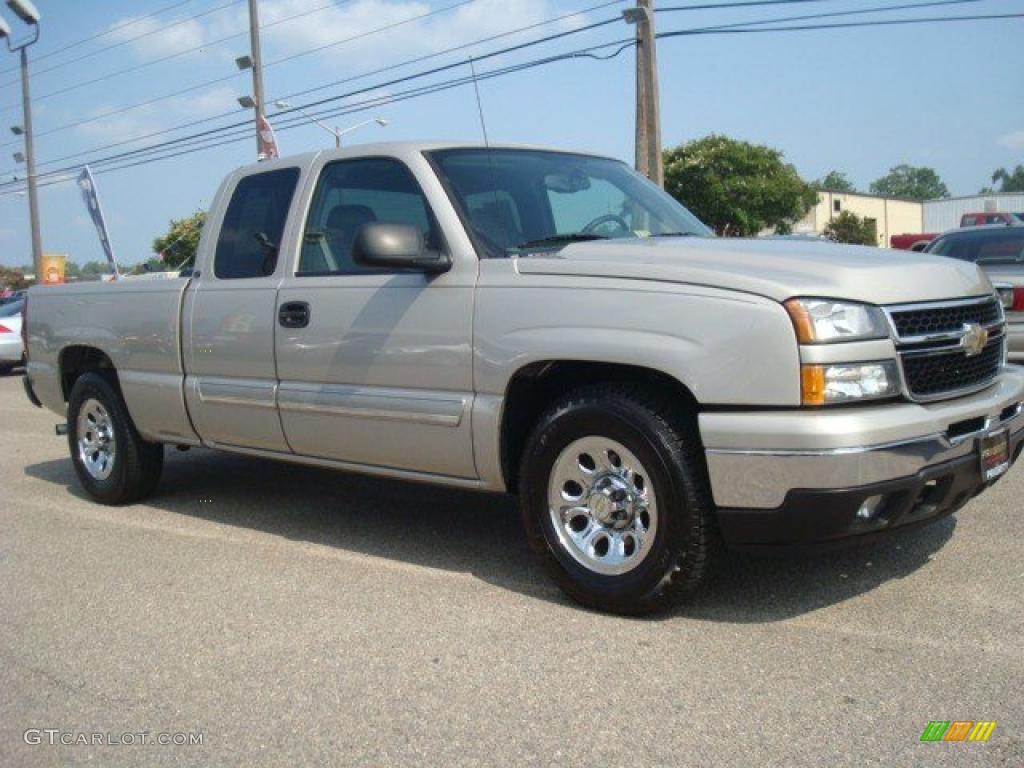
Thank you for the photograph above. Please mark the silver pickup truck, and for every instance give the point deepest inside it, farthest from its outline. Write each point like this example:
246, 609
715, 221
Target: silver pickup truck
550, 324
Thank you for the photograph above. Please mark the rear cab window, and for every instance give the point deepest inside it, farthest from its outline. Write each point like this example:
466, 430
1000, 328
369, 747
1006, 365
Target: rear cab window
250, 235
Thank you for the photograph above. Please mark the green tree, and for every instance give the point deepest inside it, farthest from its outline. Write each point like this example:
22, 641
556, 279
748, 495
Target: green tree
736, 187
154, 264
13, 278
93, 269
915, 183
835, 181
179, 244
848, 227
1009, 181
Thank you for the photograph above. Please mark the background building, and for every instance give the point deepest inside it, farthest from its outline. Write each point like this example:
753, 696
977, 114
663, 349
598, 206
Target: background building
940, 215
892, 216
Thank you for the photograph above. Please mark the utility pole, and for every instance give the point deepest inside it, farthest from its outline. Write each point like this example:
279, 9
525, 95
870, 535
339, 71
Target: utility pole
27, 12
257, 66
30, 163
648, 107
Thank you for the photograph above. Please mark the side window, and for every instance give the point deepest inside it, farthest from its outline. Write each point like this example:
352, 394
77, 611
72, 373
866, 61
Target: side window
968, 221
250, 235
351, 194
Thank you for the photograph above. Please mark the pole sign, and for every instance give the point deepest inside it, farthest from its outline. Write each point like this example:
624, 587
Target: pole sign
53, 269
92, 201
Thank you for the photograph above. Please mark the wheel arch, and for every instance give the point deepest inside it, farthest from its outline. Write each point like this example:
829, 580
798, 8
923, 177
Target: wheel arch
77, 359
535, 386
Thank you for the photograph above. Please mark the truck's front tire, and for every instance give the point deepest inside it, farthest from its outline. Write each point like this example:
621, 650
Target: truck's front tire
112, 461
615, 499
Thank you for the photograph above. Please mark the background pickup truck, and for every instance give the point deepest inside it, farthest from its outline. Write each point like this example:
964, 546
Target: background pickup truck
550, 324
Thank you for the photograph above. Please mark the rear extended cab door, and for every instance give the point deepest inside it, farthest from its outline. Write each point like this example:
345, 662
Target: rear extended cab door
229, 312
381, 373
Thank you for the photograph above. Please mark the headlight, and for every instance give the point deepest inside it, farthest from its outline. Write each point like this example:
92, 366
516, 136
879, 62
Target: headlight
819, 321
847, 383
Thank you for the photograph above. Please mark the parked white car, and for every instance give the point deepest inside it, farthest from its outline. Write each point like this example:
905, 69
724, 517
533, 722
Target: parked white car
12, 351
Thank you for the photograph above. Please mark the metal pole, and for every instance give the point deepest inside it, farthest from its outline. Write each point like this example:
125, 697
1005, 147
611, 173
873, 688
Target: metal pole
648, 107
257, 66
30, 161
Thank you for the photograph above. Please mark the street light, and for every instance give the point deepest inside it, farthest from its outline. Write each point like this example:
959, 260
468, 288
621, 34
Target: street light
19, 157
28, 13
25, 11
17, 130
337, 133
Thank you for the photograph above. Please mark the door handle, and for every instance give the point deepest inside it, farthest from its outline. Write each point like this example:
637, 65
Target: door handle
294, 314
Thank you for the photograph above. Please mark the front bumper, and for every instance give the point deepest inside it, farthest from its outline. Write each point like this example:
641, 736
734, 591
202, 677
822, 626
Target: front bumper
787, 477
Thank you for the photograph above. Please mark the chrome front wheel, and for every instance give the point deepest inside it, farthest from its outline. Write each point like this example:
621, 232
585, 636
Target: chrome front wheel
602, 505
97, 443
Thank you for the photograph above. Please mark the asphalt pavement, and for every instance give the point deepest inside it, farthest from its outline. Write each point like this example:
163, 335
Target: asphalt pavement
292, 616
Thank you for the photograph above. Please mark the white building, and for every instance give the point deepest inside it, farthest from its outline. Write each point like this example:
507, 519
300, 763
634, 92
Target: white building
940, 215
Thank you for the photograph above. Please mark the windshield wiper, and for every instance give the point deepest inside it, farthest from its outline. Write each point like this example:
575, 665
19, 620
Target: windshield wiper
572, 237
675, 234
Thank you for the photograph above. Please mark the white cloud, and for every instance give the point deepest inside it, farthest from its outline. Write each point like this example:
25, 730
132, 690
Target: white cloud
346, 28
1013, 140
343, 26
155, 117
184, 35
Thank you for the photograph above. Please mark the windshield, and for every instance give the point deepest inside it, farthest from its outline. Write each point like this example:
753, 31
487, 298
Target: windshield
524, 200
1002, 245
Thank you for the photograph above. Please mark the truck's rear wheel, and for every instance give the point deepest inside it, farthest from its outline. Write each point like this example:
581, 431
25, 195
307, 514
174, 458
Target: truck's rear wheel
112, 461
615, 499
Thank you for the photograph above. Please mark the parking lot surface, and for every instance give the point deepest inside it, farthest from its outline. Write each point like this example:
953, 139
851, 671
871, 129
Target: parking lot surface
295, 616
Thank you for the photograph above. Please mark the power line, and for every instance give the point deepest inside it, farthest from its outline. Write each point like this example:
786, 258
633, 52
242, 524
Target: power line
169, 57
369, 73
214, 81
128, 40
212, 142
843, 25
355, 37
104, 33
740, 4
834, 14
154, 152
368, 89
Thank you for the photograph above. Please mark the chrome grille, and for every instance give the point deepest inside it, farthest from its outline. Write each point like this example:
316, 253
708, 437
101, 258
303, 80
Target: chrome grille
930, 344
944, 319
933, 374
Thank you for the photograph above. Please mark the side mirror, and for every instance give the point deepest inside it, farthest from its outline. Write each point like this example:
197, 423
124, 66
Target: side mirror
396, 246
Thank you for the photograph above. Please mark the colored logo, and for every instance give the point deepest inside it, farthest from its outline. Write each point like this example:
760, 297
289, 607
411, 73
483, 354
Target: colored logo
975, 339
958, 730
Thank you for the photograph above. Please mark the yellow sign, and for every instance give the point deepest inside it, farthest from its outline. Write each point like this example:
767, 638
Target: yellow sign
53, 269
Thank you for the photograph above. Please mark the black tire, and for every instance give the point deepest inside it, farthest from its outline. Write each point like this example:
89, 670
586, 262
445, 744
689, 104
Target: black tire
136, 465
666, 443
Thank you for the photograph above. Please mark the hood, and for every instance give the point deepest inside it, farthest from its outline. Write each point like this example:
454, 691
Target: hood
778, 269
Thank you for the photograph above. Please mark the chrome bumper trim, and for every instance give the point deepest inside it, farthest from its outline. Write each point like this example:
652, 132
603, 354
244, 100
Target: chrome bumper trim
761, 478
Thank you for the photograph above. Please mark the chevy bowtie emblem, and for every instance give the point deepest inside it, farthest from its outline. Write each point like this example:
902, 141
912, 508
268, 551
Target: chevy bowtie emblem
974, 340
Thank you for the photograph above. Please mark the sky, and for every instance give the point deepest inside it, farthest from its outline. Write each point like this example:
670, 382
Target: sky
857, 100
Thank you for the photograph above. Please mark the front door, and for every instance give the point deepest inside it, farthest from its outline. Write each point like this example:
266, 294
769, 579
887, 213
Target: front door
231, 386
380, 371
